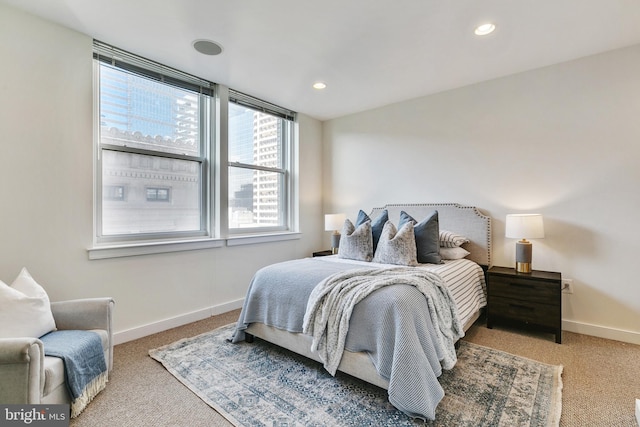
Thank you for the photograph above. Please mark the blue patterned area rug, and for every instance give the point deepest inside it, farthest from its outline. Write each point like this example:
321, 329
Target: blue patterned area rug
260, 384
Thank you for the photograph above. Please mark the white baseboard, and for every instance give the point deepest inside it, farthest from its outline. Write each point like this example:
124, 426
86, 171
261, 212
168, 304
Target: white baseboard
601, 331
173, 322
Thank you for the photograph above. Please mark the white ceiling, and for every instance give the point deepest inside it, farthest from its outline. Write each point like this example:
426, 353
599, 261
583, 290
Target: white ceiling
369, 52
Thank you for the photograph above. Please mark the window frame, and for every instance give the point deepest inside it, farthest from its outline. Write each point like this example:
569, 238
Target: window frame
215, 230
140, 67
287, 126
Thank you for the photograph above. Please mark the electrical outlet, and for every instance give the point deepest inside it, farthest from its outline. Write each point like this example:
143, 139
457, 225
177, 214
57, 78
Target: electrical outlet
567, 286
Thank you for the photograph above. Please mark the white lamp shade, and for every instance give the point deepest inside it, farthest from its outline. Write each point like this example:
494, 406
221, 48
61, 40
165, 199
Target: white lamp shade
333, 222
524, 226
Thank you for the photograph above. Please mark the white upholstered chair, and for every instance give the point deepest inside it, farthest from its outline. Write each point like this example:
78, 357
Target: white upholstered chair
27, 376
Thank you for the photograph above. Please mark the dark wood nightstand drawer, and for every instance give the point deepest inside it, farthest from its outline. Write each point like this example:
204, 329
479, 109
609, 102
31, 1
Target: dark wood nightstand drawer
524, 289
525, 311
526, 299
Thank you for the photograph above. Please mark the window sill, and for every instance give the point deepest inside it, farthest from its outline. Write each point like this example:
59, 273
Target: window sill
149, 248
251, 239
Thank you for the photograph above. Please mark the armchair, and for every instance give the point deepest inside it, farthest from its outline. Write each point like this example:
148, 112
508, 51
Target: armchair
27, 376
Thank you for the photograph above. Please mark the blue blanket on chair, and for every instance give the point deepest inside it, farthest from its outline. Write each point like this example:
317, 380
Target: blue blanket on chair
84, 364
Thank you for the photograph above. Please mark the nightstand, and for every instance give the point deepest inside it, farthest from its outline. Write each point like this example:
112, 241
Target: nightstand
323, 253
525, 299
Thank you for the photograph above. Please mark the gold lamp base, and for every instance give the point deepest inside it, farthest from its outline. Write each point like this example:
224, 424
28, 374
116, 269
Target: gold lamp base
523, 267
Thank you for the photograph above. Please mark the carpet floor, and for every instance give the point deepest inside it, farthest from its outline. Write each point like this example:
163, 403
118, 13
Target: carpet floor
600, 379
261, 384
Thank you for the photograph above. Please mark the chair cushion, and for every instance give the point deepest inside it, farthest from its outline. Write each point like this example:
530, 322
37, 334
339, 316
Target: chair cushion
54, 367
53, 374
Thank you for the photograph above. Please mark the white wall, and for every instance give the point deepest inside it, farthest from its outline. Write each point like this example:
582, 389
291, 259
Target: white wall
46, 194
562, 141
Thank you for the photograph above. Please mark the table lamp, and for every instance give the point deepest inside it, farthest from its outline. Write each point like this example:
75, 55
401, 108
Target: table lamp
334, 222
524, 226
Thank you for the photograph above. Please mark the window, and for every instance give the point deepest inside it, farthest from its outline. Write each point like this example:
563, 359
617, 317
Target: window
153, 141
113, 192
259, 165
158, 194
154, 165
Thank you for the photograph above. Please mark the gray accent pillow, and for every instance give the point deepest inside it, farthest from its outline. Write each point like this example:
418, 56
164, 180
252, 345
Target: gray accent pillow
356, 243
427, 234
396, 247
376, 224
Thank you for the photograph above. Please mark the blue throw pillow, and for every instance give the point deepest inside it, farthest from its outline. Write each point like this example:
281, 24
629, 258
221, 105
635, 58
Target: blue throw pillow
427, 234
376, 225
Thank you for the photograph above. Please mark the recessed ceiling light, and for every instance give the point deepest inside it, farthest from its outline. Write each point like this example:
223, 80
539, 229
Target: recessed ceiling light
484, 29
207, 47
319, 85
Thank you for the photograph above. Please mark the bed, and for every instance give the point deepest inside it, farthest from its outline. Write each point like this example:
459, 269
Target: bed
374, 351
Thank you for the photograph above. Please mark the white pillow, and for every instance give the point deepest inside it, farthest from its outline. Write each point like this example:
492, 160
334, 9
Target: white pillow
25, 309
453, 253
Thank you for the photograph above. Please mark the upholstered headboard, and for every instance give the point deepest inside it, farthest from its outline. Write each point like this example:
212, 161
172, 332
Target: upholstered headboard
465, 220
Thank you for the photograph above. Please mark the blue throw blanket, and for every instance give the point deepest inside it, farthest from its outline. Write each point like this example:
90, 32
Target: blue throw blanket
84, 365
